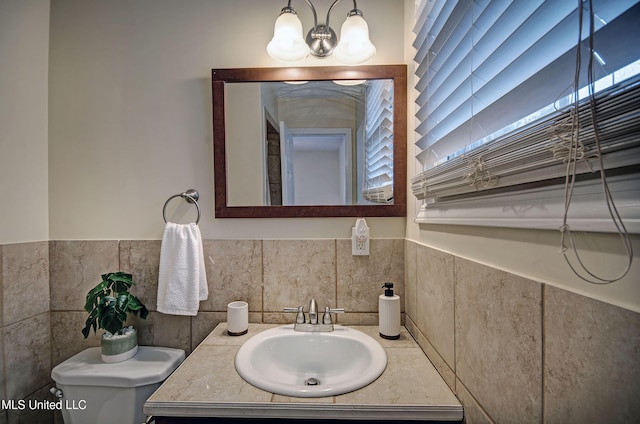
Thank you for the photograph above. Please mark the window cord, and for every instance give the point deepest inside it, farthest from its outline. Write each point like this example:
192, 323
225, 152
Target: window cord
574, 155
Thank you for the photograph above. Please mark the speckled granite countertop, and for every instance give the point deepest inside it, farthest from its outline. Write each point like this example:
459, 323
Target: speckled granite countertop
207, 385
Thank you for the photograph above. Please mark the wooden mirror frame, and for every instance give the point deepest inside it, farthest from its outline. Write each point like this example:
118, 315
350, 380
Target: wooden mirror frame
396, 72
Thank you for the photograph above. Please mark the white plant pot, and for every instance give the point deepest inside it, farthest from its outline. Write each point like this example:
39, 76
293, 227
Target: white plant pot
119, 348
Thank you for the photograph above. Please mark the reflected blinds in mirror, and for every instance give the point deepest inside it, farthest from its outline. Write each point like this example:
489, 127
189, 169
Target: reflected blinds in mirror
378, 147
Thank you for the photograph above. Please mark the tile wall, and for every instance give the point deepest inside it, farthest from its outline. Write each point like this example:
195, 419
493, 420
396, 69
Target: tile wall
268, 274
512, 349
44, 285
518, 351
25, 341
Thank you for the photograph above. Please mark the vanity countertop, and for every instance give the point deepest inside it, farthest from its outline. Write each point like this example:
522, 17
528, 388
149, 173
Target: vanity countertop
207, 385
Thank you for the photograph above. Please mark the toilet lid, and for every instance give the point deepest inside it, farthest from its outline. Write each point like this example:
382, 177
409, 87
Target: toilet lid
150, 365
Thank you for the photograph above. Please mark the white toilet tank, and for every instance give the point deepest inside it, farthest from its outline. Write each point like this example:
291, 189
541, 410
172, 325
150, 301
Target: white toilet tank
97, 392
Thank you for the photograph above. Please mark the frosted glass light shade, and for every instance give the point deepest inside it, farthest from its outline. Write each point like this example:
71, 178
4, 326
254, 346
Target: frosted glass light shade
354, 46
287, 44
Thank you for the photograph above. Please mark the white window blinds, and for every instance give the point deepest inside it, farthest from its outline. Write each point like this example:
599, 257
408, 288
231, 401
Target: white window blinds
379, 141
495, 79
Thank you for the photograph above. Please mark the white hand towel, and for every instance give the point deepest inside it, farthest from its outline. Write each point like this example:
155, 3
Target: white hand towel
182, 279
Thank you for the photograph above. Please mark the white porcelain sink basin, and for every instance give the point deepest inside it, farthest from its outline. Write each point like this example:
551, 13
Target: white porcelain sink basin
299, 364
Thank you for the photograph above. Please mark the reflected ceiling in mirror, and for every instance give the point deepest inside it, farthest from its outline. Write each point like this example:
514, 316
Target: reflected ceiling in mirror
310, 142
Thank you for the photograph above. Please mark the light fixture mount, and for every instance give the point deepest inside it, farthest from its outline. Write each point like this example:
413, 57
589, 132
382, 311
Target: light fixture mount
321, 41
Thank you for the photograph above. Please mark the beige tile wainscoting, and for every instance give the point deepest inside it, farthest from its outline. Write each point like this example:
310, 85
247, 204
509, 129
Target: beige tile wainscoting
207, 385
519, 351
25, 338
43, 287
267, 274
512, 349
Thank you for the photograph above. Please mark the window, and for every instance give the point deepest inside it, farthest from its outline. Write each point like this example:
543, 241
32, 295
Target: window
496, 91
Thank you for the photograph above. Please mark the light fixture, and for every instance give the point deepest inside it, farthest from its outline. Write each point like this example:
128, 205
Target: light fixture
349, 82
288, 44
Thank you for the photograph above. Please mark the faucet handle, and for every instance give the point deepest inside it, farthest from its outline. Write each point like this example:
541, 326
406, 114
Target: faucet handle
326, 318
300, 319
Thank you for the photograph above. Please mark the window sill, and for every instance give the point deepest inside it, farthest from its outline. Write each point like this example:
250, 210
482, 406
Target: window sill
542, 208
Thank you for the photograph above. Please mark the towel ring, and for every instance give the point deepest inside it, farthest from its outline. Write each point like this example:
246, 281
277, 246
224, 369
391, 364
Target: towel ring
191, 196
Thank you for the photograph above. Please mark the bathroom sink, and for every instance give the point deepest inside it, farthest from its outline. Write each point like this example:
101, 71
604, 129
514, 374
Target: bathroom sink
301, 364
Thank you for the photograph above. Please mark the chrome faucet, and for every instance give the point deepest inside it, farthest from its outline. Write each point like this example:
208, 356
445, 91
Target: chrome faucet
313, 325
313, 312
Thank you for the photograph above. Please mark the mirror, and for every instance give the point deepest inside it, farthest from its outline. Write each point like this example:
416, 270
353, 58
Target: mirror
310, 142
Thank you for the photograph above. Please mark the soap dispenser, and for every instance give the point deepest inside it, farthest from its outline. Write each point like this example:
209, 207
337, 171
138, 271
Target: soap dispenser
389, 313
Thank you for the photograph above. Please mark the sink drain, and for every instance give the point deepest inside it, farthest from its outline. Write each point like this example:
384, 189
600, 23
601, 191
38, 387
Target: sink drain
312, 382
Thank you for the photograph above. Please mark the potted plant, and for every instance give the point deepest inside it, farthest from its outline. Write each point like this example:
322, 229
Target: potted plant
108, 305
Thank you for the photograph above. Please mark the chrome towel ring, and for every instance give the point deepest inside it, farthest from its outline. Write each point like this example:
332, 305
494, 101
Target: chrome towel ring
191, 196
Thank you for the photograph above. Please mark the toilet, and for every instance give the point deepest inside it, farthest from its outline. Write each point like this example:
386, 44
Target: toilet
92, 391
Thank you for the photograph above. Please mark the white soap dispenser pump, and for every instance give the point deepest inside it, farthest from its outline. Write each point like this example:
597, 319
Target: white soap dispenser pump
389, 313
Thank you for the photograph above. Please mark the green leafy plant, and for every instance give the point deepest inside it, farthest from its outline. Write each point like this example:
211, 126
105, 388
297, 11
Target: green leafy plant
109, 302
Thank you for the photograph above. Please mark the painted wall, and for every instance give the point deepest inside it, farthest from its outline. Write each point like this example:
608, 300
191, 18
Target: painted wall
527, 253
24, 55
130, 111
245, 163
